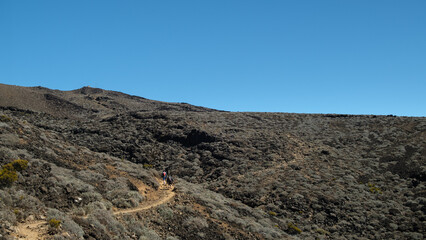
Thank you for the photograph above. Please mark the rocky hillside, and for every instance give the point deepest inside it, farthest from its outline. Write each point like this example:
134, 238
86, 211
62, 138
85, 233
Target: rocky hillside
92, 152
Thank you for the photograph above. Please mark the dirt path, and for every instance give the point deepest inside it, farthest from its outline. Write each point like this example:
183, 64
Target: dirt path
169, 194
32, 230
37, 229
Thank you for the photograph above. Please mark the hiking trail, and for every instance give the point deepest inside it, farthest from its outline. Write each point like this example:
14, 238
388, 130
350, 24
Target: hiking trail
38, 229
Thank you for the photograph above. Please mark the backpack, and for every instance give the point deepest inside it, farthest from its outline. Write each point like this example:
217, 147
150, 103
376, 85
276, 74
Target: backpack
163, 174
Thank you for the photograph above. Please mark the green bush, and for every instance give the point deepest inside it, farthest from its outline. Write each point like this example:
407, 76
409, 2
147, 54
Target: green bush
4, 118
293, 229
54, 223
7, 176
17, 165
374, 189
8, 173
272, 213
146, 165
8, 167
20, 164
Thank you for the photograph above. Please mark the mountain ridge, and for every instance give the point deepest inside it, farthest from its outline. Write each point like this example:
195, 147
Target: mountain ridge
93, 102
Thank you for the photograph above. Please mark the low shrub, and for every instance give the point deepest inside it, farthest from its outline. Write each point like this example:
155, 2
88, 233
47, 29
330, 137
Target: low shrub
78, 212
4, 118
171, 238
133, 225
54, 223
91, 207
89, 197
65, 223
8, 173
122, 198
272, 213
27, 204
374, 189
5, 198
66, 179
90, 176
149, 234
106, 220
7, 176
165, 212
146, 165
196, 223
293, 229
322, 231
19, 165
6, 216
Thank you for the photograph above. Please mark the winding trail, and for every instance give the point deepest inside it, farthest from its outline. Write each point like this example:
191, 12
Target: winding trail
169, 194
38, 229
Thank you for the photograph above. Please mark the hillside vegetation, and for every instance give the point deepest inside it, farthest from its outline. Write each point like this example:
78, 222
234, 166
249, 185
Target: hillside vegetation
74, 158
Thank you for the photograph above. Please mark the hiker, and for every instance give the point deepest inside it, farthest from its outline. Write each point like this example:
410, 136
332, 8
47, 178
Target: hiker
164, 175
170, 180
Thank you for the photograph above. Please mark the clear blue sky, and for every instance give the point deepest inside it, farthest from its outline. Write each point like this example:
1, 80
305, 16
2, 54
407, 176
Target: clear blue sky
341, 56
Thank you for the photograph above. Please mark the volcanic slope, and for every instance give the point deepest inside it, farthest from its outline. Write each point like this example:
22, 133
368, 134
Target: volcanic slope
38, 229
239, 175
82, 103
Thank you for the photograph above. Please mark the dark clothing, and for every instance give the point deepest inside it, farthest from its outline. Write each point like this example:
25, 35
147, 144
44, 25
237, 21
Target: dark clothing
170, 180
